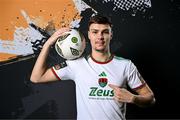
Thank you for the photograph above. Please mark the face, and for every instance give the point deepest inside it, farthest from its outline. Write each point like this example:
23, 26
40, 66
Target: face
100, 36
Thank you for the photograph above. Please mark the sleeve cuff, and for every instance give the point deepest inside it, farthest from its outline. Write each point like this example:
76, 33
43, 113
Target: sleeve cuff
55, 73
140, 86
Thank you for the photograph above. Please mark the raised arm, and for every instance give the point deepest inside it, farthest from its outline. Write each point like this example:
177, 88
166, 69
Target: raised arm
41, 73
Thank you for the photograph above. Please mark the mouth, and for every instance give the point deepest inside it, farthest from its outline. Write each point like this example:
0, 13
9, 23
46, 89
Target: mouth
99, 42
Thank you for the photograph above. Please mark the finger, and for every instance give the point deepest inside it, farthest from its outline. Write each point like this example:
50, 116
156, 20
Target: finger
117, 98
64, 30
114, 87
61, 31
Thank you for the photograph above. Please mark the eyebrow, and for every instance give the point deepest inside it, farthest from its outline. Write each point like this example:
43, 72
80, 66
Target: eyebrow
99, 30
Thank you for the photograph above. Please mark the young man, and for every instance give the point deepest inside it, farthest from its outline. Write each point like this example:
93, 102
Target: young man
101, 78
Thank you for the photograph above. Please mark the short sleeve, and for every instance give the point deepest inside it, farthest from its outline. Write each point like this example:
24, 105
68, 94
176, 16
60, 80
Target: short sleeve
62, 71
135, 80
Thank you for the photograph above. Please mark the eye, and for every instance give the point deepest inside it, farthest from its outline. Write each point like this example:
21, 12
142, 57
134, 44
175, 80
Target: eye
95, 32
106, 31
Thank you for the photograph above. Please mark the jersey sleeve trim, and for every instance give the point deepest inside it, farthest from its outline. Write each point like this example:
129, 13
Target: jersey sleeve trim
140, 86
55, 74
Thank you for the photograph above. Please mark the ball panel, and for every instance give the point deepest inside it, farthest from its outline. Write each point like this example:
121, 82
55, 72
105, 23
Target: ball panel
63, 37
74, 52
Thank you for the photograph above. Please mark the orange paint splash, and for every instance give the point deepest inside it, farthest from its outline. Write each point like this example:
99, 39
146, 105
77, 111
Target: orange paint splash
60, 13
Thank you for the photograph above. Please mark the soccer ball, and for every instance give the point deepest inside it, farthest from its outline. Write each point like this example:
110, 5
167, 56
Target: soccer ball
70, 45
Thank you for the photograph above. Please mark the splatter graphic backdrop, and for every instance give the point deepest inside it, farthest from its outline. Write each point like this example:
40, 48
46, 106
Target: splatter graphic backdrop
146, 31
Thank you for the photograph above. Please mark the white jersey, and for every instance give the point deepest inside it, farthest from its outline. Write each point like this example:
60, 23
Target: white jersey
94, 96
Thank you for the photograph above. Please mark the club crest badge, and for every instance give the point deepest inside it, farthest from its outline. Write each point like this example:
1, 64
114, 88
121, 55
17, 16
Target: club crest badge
103, 80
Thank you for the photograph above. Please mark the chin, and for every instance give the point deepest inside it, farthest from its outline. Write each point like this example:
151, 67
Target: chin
100, 50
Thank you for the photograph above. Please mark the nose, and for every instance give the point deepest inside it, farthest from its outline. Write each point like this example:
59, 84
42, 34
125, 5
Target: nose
100, 36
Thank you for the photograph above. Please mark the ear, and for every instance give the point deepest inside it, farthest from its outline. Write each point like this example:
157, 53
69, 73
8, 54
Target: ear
111, 34
88, 34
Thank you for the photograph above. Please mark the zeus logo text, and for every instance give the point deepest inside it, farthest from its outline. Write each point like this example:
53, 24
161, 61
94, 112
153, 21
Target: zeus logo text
100, 92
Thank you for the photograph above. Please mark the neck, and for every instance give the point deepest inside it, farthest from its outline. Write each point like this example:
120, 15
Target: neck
101, 56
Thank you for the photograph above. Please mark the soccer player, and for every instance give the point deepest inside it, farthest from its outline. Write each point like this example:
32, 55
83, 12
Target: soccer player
101, 78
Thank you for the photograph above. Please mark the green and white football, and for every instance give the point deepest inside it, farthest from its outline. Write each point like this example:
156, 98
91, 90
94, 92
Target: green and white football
70, 45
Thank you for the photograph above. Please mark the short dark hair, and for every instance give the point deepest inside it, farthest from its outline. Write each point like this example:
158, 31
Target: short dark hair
99, 19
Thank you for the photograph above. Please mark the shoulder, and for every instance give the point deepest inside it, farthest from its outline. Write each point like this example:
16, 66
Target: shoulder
124, 61
75, 61
66, 63
121, 59
60, 65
